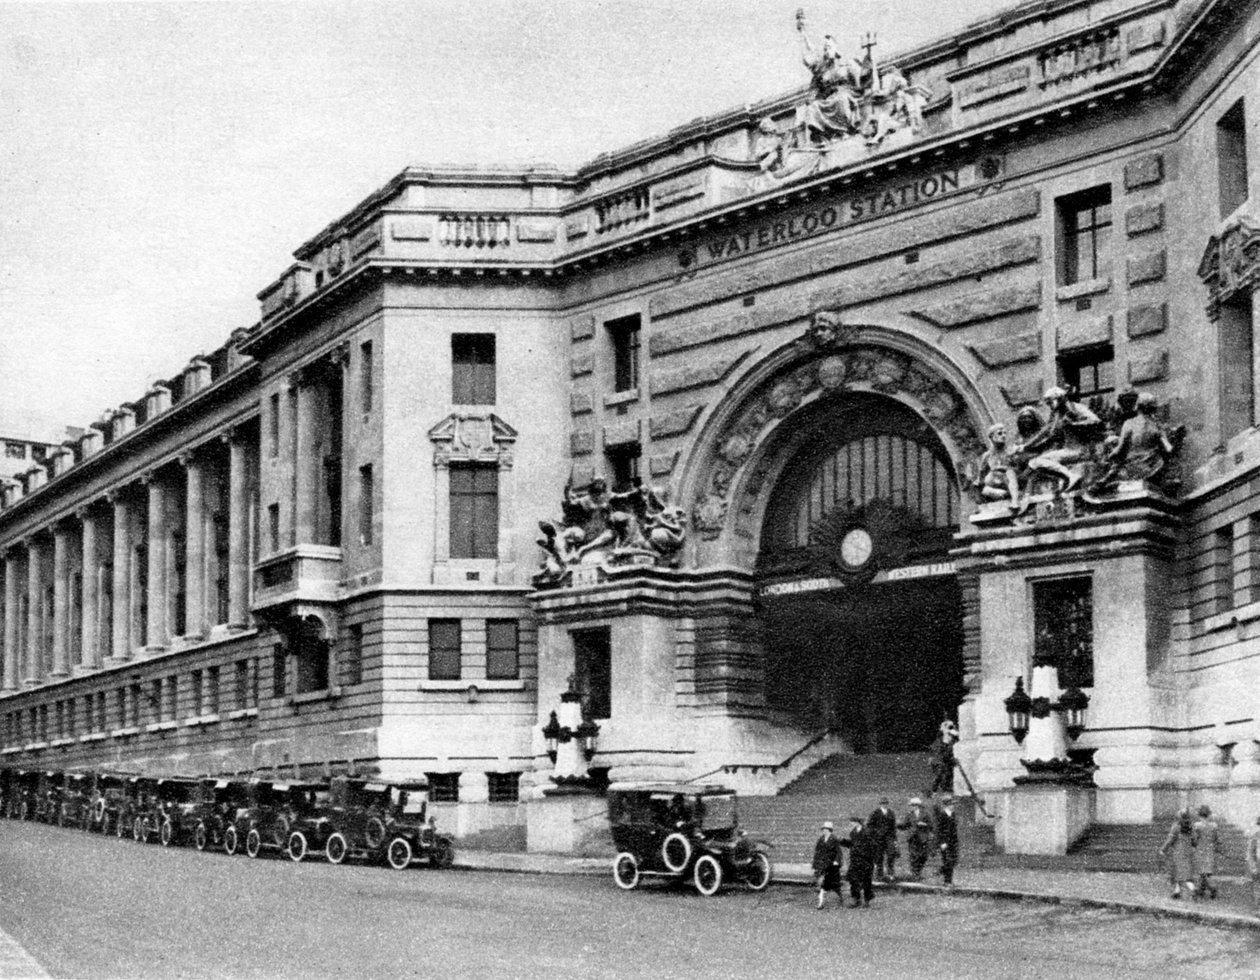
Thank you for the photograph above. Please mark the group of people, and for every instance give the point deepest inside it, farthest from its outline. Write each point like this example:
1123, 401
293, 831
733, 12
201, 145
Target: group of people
870, 847
1190, 851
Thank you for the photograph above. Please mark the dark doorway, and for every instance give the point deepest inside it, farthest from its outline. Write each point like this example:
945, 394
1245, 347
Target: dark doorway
882, 663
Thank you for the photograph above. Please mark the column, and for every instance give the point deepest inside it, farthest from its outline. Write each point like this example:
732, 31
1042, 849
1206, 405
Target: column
11, 621
194, 549
238, 531
120, 645
305, 462
34, 591
156, 625
61, 601
89, 640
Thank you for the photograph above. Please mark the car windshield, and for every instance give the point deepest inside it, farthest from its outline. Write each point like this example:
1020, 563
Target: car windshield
716, 812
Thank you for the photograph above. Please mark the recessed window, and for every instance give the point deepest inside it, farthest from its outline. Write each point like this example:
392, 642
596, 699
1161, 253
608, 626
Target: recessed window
1089, 372
1231, 157
367, 492
210, 705
1085, 235
1223, 568
592, 675
472, 369
624, 335
15, 450
279, 666
443, 787
311, 662
623, 462
273, 527
503, 650
365, 376
505, 787
444, 650
274, 425
474, 510
1063, 629
155, 700
352, 668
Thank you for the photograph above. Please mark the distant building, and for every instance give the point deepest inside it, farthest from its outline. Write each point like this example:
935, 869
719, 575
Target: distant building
314, 549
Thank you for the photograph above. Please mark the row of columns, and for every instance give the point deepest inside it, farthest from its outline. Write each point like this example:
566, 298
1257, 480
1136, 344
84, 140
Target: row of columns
88, 536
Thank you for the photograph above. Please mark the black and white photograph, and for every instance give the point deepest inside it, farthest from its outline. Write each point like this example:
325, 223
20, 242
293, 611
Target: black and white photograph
582, 489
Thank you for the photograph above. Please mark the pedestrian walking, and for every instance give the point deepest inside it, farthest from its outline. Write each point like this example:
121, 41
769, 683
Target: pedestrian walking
1253, 861
947, 839
861, 863
943, 759
826, 865
1178, 852
882, 826
1207, 844
918, 827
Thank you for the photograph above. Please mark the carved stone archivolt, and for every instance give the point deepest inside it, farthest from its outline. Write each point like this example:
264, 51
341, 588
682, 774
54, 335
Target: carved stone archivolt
1231, 263
833, 361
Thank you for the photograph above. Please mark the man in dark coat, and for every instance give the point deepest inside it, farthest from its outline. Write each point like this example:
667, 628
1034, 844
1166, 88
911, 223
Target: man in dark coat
882, 826
918, 827
947, 839
943, 759
827, 864
861, 863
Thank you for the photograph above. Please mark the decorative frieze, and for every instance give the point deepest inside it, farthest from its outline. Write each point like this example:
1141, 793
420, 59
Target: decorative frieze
475, 230
1076, 57
1231, 262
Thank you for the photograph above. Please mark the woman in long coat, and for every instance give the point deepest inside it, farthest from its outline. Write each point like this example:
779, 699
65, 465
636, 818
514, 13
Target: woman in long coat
1207, 844
1178, 852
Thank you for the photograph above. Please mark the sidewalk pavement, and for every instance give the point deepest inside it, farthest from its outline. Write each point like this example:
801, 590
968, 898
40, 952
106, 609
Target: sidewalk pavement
1121, 891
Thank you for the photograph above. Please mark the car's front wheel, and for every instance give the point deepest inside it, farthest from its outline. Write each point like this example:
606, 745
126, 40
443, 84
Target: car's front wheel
707, 875
297, 846
253, 843
626, 871
231, 840
398, 854
336, 848
757, 874
201, 837
676, 852
167, 834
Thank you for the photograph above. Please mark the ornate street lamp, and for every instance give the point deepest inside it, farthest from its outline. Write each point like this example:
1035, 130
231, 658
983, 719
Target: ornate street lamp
1018, 708
1073, 703
551, 732
588, 734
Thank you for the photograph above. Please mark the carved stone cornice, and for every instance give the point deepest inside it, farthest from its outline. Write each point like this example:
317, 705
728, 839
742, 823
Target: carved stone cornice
1231, 263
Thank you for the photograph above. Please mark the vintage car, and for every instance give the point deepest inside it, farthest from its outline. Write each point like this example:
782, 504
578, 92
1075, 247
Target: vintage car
8, 785
140, 809
47, 802
263, 823
313, 823
75, 808
109, 800
218, 803
380, 821
174, 799
22, 802
683, 832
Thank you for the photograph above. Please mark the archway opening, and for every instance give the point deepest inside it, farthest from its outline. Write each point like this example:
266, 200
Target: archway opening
861, 611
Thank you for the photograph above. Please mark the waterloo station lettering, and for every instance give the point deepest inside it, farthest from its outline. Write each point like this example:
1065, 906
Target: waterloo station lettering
847, 211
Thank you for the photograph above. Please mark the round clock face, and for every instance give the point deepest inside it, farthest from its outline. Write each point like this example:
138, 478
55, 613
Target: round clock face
856, 547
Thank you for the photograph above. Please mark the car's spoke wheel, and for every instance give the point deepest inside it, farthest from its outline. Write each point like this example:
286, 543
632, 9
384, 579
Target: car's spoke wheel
253, 843
398, 854
443, 853
336, 848
707, 875
758, 873
201, 837
231, 840
297, 846
280, 831
374, 832
676, 852
626, 871
138, 831
98, 810
167, 834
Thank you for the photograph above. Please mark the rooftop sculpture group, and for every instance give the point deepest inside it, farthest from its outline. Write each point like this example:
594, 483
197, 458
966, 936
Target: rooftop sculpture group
1076, 448
854, 108
635, 525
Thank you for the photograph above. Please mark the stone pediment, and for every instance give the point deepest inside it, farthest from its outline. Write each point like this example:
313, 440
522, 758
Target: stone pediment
1231, 262
472, 437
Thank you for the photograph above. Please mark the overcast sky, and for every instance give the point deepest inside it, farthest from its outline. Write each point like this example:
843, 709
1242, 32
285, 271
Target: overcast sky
160, 161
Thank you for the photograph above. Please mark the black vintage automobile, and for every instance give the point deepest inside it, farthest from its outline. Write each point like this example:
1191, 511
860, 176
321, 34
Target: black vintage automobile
683, 832
76, 801
264, 822
217, 805
174, 800
380, 821
109, 801
140, 809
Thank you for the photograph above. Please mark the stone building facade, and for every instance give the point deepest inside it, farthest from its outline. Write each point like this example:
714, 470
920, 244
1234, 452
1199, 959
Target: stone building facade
781, 336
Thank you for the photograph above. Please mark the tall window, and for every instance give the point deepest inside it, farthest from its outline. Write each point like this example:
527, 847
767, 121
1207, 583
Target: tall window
140, 594
1223, 568
171, 706
155, 700
273, 527
352, 670
1085, 225
475, 511
444, 642
472, 369
243, 686
1089, 372
279, 664
179, 596
1231, 158
365, 376
273, 430
624, 462
212, 691
624, 334
197, 696
592, 675
219, 530
1063, 628
1235, 341
366, 510
311, 663
502, 650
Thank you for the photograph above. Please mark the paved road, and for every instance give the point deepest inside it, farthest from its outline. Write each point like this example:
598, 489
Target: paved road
86, 906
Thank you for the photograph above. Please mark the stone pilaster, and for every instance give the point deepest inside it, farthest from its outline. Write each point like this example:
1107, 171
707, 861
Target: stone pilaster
34, 667
120, 646
12, 623
238, 532
194, 549
89, 637
156, 625
61, 601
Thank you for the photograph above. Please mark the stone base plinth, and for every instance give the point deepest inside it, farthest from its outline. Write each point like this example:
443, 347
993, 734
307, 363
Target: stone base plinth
562, 819
1044, 818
